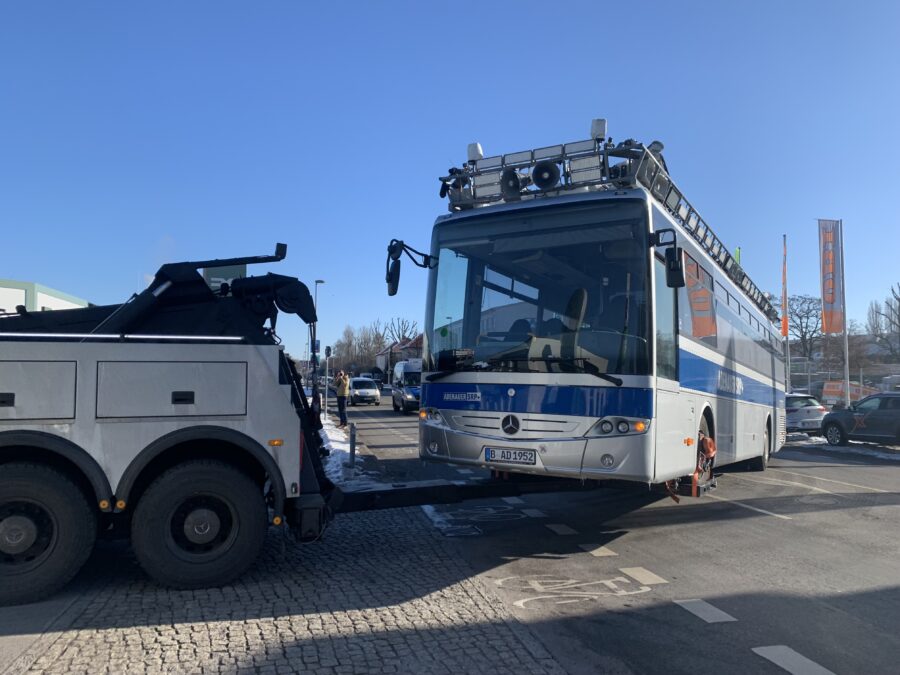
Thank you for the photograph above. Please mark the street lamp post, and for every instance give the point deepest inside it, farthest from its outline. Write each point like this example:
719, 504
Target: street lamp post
314, 338
316, 294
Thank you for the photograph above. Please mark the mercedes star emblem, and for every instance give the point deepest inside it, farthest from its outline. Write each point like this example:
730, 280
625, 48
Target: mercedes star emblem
510, 424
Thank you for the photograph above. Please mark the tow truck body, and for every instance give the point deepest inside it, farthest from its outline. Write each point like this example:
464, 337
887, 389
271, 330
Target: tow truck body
175, 418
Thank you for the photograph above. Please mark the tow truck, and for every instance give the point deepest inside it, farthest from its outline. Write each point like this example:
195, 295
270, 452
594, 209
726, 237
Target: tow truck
176, 419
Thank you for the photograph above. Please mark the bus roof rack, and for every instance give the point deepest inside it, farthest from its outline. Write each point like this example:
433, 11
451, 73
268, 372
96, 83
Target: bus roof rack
586, 166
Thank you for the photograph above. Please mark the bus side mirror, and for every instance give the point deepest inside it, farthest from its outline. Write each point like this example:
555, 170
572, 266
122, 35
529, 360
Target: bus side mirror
674, 267
393, 277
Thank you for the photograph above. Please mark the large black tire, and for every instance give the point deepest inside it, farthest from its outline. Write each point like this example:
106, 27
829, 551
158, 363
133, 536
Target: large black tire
201, 523
834, 434
47, 531
761, 463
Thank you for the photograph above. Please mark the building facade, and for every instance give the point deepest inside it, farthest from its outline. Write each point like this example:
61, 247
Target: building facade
34, 297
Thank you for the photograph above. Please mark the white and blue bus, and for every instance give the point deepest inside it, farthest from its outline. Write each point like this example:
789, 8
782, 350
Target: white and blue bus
583, 321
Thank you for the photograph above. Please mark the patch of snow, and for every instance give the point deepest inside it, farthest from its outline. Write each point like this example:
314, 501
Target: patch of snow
336, 463
854, 448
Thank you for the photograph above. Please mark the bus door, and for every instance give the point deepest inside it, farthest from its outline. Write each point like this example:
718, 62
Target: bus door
671, 408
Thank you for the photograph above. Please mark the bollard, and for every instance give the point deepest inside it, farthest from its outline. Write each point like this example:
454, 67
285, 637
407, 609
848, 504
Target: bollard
352, 463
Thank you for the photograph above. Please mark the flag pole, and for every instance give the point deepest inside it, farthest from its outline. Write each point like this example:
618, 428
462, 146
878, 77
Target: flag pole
844, 308
785, 327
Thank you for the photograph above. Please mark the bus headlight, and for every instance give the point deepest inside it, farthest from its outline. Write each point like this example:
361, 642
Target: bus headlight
619, 426
430, 415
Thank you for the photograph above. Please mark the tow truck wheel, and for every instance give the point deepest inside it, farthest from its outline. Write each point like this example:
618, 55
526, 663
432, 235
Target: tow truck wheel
47, 531
201, 523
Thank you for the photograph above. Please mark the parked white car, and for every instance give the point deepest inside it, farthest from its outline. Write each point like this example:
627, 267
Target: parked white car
804, 413
364, 390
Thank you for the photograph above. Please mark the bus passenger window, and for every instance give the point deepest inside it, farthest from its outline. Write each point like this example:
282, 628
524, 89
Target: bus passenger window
699, 310
666, 326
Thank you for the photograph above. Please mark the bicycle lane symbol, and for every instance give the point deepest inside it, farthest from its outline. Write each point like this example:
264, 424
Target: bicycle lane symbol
554, 590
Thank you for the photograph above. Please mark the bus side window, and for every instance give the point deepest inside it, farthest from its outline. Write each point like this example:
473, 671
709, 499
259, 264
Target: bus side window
699, 287
666, 326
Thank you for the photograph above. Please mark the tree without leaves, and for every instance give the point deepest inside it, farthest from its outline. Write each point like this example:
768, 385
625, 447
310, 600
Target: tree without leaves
857, 349
399, 329
883, 323
805, 323
356, 349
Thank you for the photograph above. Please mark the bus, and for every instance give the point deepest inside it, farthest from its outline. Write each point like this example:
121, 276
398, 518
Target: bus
584, 321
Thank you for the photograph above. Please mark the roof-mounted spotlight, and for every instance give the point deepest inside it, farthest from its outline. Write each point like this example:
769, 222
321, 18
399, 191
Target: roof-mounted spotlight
474, 152
545, 175
598, 129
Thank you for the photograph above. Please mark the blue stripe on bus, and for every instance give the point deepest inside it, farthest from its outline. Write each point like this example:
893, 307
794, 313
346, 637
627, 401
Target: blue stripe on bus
539, 398
703, 375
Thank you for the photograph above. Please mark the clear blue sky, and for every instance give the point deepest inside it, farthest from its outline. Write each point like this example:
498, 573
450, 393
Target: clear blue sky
133, 134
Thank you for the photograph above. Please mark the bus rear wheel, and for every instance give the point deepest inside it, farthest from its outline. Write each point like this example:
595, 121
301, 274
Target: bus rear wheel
201, 523
47, 532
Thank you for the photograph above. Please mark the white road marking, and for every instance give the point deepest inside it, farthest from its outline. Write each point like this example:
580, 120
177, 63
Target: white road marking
778, 481
514, 500
747, 506
793, 662
534, 513
560, 528
705, 611
642, 575
829, 480
445, 525
465, 471
597, 550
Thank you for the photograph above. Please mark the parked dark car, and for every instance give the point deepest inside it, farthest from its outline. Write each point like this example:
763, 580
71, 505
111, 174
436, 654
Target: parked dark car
875, 418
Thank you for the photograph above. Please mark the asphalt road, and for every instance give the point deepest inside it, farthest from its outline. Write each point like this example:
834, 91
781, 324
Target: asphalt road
795, 569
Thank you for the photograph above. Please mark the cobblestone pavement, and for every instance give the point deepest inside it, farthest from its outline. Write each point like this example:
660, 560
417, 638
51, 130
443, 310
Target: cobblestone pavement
381, 593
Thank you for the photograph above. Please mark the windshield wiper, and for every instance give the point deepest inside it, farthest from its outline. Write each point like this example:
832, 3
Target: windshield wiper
585, 367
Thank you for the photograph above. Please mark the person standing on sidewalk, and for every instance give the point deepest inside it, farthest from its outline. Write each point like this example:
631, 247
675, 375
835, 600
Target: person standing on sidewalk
342, 389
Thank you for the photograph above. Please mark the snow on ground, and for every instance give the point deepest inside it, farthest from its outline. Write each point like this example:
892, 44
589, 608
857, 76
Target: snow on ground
336, 464
854, 448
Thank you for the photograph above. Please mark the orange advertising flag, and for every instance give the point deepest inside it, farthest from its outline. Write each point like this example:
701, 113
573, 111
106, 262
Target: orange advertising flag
784, 295
830, 251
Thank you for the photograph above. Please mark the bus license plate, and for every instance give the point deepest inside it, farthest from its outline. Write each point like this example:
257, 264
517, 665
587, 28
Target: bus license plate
509, 456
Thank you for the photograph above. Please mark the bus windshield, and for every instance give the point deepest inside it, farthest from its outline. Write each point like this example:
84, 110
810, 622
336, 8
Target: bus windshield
534, 295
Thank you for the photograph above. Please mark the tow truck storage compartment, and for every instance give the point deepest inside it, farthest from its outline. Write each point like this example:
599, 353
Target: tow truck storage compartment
171, 388
37, 390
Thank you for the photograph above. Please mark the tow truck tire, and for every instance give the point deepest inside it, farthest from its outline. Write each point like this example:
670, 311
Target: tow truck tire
761, 463
201, 523
47, 531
